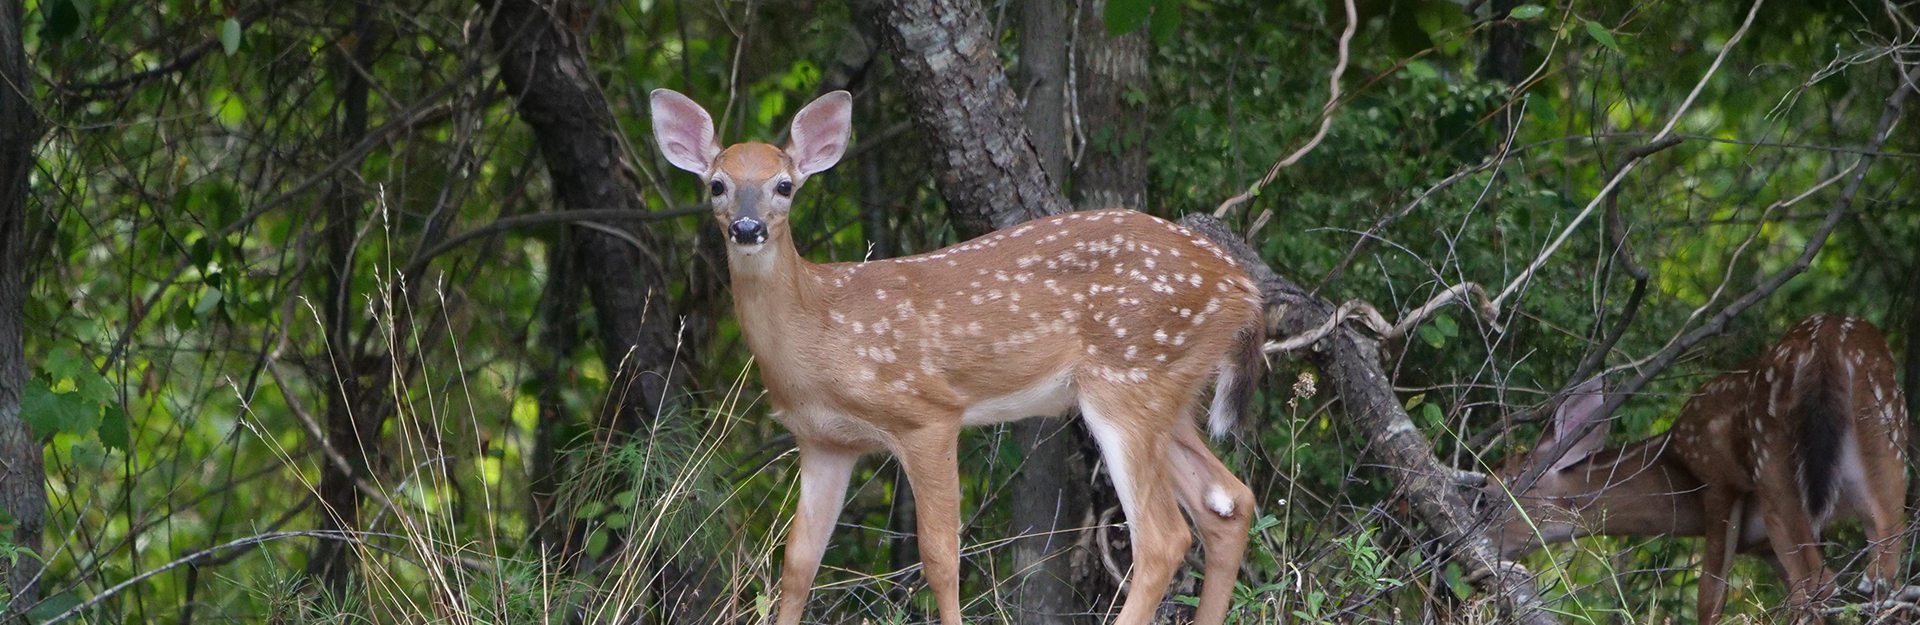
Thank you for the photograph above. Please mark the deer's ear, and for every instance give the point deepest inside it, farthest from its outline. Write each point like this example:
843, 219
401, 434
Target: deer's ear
684, 132
820, 133
1581, 407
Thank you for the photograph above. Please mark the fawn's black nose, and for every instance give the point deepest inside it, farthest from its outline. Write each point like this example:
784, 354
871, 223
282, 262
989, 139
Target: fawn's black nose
747, 231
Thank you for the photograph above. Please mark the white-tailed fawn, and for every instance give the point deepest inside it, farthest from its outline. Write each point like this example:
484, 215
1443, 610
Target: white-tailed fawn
1762, 458
1122, 315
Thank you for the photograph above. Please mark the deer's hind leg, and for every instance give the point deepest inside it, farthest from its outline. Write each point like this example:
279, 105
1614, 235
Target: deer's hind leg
1221, 508
1134, 445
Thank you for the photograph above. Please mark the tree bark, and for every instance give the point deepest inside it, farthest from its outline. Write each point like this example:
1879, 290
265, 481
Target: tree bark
984, 162
352, 426
1351, 364
573, 125
1111, 172
1046, 500
1504, 41
23, 483
553, 92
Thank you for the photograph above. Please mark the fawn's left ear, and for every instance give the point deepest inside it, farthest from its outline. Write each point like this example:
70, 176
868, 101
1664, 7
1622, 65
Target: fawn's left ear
1581, 407
684, 132
820, 133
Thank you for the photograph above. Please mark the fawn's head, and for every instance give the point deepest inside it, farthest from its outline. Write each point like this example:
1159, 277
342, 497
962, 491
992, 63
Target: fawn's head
751, 185
1546, 504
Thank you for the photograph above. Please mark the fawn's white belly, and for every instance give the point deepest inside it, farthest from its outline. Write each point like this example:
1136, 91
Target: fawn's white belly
1051, 395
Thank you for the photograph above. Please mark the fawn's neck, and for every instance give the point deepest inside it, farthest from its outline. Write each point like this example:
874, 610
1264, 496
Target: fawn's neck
775, 297
1646, 491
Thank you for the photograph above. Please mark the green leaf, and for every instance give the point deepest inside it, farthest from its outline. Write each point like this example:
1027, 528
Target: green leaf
230, 36
113, 428
1420, 69
1544, 111
1600, 33
597, 543
64, 364
1167, 19
1134, 96
47, 412
88, 454
1433, 415
1446, 325
1125, 16
1415, 401
1527, 11
51, 607
183, 319
1432, 336
207, 302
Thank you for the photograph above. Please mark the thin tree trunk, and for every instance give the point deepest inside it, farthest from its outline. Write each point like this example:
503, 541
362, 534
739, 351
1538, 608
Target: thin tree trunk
984, 161
1112, 172
559, 335
23, 492
1046, 499
351, 424
1504, 41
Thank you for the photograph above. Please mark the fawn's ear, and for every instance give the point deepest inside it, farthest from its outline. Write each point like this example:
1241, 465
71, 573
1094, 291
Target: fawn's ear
820, 133
684, 132
1582, 406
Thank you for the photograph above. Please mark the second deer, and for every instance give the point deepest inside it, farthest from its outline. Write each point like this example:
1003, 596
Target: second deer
1811, 432
1120, 314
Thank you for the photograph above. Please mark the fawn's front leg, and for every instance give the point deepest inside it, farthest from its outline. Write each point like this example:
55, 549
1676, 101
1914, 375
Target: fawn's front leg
824, 473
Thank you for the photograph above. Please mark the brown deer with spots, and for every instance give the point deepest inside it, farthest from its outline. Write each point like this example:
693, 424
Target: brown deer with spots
1811, 432
1119, 314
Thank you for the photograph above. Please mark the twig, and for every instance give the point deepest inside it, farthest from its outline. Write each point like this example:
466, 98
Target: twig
1358, 309
1326, 121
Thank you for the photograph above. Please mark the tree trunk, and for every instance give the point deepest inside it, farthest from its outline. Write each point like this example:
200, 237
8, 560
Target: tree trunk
1112, 172
984, 162
559, 335
1504, 41
553, 92
574, 127
351, 426
1046, 500
23, 492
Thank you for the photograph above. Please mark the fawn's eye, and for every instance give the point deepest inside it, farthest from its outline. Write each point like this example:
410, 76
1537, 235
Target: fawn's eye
785, 188
718, 188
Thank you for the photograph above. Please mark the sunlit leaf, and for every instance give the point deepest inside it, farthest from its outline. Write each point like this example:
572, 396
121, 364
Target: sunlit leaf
1527, 11
1420, 69
230, 36
1600, 34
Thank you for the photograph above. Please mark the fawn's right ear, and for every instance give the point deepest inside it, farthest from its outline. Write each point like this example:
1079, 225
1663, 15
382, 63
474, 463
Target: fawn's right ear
1581, 407
684, 132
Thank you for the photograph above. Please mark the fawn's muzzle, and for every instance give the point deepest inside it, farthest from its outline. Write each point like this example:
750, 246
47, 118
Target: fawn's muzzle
748, 231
